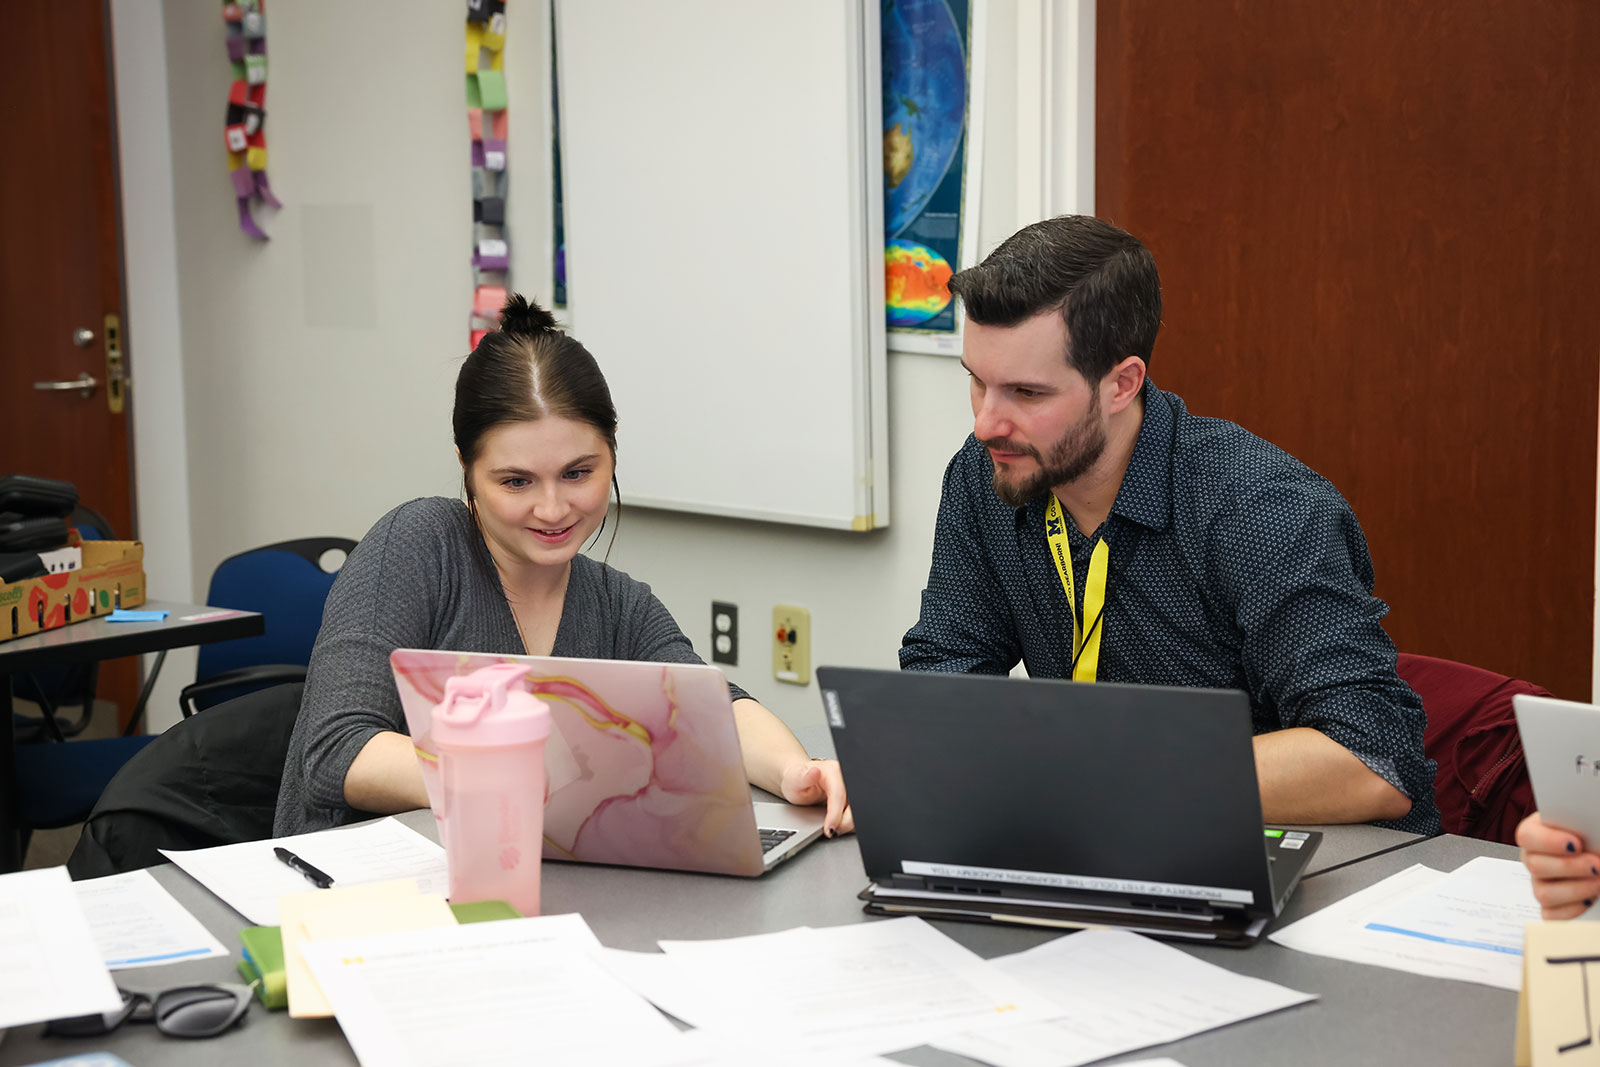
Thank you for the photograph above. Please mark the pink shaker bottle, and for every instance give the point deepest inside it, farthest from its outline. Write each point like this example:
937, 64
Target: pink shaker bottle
488, 734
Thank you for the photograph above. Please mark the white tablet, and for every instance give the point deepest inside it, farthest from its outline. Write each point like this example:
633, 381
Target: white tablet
1562, 742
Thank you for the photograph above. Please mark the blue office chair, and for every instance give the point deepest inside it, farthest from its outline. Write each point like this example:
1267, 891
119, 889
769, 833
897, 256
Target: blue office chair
58, 783
288, 584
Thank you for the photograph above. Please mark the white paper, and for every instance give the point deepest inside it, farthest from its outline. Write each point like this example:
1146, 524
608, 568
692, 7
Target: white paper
512, 991
656, 977
1121, 992
1426, 922
136, 923
49, 966
250, 878
1482, 905
863, 989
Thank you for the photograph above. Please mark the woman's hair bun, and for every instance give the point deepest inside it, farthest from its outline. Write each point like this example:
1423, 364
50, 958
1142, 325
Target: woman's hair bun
523, 316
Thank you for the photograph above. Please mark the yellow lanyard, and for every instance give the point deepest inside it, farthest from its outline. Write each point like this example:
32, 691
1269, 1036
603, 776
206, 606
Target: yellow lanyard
1085, 646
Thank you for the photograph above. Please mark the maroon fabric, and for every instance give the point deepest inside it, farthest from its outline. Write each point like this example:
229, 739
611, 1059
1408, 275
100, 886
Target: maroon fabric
1482, 785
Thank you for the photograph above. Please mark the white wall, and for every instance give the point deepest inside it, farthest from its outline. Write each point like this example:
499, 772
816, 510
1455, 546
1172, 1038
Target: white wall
152, 327
317, 368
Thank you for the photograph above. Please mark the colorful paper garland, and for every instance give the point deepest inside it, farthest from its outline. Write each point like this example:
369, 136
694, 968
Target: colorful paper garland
245, 129
486, 125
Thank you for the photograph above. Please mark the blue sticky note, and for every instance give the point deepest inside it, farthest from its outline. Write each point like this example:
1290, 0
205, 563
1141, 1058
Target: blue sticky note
121, 615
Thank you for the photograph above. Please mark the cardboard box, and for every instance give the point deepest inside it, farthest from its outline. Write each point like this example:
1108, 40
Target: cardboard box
112, 576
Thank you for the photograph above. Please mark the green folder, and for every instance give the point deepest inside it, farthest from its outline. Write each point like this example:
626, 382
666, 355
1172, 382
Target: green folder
263, 949
484, 911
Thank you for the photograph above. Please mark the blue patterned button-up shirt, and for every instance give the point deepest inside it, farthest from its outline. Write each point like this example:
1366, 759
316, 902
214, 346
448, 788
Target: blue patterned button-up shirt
1232, 566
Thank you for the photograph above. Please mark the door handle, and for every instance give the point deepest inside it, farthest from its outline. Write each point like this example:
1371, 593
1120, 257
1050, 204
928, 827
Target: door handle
85, 385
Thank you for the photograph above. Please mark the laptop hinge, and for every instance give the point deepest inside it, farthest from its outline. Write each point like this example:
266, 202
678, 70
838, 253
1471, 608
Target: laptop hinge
1134, 903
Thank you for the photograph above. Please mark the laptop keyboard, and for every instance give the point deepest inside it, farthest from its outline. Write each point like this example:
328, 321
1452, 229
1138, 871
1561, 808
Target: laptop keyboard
771, 839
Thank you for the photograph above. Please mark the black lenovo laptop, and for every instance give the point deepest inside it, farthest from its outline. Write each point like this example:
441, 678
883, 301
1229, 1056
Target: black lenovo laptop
1060, 804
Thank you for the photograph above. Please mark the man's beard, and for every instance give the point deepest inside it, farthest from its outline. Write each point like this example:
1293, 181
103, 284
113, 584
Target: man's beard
1070, 458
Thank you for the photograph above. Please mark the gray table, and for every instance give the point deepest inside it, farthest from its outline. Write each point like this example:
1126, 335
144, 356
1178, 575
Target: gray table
91, 640
1365, 1015
632, 909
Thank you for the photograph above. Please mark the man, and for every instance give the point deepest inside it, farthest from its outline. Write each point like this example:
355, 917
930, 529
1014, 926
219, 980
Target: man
1094, 529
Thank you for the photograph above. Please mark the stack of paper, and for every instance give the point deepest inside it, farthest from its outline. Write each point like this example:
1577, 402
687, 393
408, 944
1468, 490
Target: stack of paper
1466, 925
893, 985
49, 965
544, 989
518, 990
136, 923
862, 989
250, 878
1120, 992
339, 914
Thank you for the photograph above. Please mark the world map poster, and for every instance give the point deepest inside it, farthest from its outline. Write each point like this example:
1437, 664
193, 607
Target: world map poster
931, 148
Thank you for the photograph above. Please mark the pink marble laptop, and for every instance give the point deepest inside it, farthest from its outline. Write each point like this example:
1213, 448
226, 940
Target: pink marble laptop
643, 760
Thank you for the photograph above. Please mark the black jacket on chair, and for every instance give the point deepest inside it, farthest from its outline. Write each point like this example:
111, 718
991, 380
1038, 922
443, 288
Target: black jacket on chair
212, 779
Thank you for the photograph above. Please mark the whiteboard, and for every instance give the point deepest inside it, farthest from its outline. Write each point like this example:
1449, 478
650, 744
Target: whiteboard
723, 178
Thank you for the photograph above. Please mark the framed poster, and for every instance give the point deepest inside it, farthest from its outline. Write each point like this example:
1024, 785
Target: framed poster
932, 147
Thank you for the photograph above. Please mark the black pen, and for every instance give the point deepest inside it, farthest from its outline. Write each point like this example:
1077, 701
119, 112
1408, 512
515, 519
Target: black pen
314, 876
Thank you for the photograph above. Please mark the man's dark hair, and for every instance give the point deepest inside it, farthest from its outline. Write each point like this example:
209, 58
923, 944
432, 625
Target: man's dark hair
1100, 278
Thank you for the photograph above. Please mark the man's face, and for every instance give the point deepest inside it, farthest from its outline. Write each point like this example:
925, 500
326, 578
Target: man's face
1038, 417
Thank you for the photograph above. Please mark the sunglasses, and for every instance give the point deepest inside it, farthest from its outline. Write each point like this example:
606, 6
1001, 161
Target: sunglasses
186, 1011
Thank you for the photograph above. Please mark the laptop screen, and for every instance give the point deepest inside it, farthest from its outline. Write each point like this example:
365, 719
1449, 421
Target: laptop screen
643, 764
1058, 785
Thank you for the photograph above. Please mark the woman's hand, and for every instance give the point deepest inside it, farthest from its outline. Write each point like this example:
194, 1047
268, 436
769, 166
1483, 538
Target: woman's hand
811, 781
1566, 877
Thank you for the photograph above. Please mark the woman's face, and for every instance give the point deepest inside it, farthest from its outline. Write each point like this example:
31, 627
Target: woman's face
541, 489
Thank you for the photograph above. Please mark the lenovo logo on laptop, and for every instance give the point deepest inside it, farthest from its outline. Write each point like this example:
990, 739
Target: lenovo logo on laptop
830, 701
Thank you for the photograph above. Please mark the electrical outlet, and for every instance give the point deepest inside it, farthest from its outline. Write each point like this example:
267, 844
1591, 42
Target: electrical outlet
724, 633
791, 644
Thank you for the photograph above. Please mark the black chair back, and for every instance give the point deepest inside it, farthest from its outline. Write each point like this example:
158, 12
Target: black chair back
209, 780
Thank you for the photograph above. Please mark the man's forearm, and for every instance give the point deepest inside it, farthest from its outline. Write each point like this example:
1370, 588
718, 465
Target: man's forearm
1307, 777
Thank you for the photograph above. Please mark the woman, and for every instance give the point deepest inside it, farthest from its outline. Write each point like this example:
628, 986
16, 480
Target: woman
1566, 873
535, 432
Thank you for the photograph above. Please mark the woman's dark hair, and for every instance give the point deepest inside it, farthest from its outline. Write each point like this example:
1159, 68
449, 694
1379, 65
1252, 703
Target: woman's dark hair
525, 370
1099, 278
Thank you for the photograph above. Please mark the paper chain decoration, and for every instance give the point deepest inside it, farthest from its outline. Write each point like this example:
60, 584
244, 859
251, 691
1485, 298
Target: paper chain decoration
486, 122
247, 114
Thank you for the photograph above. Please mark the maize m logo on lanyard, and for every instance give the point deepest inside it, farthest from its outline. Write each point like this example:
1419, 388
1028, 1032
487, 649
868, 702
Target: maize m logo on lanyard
1085, 637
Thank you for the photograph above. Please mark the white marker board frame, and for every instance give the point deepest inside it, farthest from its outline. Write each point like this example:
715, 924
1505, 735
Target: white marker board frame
723, 179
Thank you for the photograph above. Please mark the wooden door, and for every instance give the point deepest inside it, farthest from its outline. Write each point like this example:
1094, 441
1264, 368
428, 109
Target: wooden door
1376, 225
61, 266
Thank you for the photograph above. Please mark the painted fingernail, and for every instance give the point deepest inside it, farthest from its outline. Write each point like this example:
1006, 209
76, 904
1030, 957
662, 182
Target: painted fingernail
1571, 847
